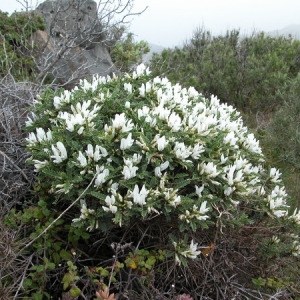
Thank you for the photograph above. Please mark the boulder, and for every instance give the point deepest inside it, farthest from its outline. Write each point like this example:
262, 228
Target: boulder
73, 44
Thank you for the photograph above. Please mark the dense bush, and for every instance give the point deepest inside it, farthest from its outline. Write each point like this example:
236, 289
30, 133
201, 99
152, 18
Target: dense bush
281, 138
126, 53
149, 172
257, 74
16, 50
248, 72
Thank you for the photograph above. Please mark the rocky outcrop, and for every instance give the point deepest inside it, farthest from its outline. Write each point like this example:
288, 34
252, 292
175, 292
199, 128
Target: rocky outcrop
73, 44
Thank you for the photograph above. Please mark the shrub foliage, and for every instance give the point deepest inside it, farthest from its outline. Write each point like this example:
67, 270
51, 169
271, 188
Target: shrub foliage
141, 177
249, 72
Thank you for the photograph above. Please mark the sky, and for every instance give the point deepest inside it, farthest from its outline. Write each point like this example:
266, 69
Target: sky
170, 23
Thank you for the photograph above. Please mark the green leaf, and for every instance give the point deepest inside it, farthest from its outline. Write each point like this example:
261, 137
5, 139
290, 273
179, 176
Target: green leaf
65, 255
37, 296
97, 195
75, 292
67, 280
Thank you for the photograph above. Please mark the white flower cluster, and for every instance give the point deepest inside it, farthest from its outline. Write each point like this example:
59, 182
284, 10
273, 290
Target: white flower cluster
85, 212
196, 213
80, 115
190, 252
157, 129
296, 248
39, 137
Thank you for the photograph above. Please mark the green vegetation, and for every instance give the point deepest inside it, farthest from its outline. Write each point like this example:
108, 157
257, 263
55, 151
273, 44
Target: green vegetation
16, 48
281, 138
147, 189
114, 155
247, 72
258, 75
126, 53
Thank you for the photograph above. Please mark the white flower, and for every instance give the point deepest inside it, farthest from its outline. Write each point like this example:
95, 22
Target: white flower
275, 175
175, 201
127, 142
164, 165
241, 163
110, 201
196, 213
275, 239
129, 170
82, 159
280, 213
97, 155
85, 212
139, 196
142, 90
210, 169
31, 139
148, 86
39, 164
29, 120
203, 209
120, 122
56, 102
223, 159
229, 175
61, 188
277, 201
113, 188
162, 112
59, 152
158, 170
140, 71
43, 136
182, 151
296, 248
161, 142
80, 130
199, 190
174, 122
128, 87
136, 158
90, 151
193, 92
172, 197
71, 120
143, 112
63, 98
252, 144
296, 216
230, 139
101, 177
229, 190
192, 251
197, 150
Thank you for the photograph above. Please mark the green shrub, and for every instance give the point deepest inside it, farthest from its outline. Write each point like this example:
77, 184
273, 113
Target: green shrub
281, 139
139, 156
17, 52
249, 72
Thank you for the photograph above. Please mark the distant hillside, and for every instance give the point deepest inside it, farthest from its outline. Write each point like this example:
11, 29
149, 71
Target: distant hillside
291, 30
153, 49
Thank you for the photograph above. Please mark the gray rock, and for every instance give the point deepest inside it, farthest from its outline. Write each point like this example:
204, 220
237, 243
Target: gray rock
74, 41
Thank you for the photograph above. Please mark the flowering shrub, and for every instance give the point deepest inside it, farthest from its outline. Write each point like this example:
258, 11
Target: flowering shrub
151, 150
